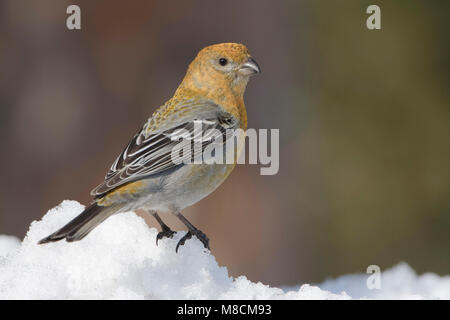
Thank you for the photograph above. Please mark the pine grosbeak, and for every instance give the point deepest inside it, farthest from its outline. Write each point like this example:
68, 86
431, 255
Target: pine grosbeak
144, 176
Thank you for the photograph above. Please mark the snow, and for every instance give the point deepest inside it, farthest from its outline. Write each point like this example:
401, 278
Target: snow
120, 260
8, 244
399, 282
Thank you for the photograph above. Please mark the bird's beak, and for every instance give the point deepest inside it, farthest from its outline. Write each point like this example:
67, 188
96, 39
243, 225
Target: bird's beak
249, 67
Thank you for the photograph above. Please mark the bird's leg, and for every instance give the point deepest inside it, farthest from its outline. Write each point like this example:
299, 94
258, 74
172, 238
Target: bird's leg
192, 231
166, 231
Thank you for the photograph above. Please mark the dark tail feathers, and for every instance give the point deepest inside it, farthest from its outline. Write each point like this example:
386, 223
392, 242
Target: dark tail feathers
82, 224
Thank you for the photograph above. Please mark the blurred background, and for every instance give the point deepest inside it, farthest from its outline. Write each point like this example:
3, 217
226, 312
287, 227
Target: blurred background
364, 121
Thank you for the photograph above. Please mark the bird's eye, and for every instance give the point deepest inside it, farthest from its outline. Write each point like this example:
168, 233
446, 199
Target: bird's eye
223, 61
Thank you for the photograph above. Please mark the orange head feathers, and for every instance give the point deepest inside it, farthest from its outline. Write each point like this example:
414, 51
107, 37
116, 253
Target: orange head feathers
224, 66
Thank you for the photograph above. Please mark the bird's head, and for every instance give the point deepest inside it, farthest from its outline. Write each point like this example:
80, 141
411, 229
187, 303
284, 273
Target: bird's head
223, 65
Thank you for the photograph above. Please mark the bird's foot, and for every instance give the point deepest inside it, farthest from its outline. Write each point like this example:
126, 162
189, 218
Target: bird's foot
200, 236
165, 233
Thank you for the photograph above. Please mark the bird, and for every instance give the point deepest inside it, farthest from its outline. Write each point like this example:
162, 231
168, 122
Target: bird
144, 176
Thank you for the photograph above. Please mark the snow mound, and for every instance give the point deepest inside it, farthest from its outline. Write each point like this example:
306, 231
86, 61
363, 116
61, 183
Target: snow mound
120, 260
8, 244
399, 282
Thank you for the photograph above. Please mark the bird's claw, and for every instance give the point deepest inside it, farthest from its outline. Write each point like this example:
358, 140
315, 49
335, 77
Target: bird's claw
183, 240
200, 236
165, 233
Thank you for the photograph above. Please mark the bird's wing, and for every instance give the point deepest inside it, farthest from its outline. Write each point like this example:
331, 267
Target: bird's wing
150, 151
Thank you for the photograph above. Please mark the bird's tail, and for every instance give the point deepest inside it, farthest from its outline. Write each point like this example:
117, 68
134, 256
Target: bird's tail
82, 224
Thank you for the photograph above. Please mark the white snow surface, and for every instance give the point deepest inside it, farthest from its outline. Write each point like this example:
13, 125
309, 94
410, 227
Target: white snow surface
120, 260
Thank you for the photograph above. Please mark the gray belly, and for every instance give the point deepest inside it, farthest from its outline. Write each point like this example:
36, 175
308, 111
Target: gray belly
183, 187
